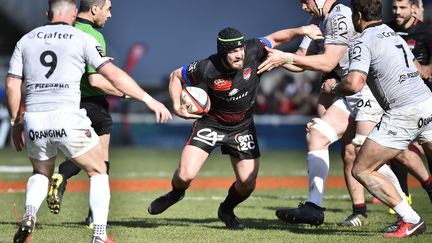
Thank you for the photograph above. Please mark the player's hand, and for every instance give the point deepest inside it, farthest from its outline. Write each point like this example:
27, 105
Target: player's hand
18, 136
182, 111
161, 112
327, 86
313, 31
275, 58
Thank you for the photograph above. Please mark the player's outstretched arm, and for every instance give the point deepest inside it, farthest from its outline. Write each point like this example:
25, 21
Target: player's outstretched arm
98, 81
175, 89
123, 82
284, 36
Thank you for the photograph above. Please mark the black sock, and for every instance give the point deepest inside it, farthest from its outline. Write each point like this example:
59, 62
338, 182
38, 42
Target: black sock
177, 192
107, 163
402, 175
68, 169
360, 208
429, 164
233, 199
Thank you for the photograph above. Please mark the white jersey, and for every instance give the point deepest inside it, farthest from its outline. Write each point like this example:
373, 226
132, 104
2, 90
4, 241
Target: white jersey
337, 29
388, 62
51, 60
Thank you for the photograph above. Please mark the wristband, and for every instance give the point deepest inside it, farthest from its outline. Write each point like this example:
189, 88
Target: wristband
147, 98
12, 122
289, 58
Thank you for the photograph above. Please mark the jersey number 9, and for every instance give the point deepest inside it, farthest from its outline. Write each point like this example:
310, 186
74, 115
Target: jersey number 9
51, 63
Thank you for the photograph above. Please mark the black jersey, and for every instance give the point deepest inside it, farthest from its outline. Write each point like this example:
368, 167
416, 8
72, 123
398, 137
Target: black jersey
232, 92
419, 38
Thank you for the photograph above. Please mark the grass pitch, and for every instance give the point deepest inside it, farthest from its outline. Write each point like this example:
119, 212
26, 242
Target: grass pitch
194, 219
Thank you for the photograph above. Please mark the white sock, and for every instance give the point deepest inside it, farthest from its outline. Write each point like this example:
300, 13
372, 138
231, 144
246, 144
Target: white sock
388, 172
407, 212
318, 168
36, 192
99, 203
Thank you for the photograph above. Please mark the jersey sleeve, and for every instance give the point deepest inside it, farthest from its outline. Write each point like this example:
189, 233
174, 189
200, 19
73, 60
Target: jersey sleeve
101, 40
360, 57
338, 29
192, 74
94, 54
16, 62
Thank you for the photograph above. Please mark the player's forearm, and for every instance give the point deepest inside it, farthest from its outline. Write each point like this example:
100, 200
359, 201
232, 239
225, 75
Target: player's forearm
315, 63
13, 94
123, 82
98, 81
175, 88
283, 36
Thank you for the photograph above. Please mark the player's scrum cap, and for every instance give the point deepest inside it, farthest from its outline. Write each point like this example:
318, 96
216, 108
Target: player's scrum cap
229, 39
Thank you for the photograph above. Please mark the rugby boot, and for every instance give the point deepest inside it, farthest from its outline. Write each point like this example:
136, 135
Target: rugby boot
55, 193
230, 219
25, 230
406, 230
305, 213
354, 220
162, 203
394, 226
97, 239
89, 222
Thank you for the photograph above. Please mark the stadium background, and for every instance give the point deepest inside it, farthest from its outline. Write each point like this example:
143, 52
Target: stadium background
151, 38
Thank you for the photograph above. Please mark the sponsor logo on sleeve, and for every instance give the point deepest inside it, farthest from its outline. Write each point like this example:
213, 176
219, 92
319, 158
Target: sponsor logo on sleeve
100, 51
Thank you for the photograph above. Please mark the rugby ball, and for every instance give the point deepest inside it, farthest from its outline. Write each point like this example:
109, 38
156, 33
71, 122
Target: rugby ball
196, 100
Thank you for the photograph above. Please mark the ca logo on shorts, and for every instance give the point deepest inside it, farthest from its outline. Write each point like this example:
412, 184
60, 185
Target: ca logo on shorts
207, 136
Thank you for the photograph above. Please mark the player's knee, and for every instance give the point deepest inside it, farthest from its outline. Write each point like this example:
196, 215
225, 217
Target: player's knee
359, 174
321, 130
247, 185
184, 175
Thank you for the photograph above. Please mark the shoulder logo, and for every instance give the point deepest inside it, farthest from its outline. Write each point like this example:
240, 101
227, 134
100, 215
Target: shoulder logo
247, 73
101, 52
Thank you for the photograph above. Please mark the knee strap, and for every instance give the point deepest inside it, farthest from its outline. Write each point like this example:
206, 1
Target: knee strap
325, 129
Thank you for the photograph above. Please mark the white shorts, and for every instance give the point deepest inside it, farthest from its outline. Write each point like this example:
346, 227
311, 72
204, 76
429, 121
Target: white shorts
67, 129
343, 105
367, 107
399, 127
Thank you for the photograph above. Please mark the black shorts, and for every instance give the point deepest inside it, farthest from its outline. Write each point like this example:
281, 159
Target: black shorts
97, 110
239, 141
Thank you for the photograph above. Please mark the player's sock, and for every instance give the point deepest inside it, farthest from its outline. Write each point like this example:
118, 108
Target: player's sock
99, 203
360, 208
68, 169
36, 191
176, 191
318, 168
107, 163
427, 185
429, 164
388, 172
402, 175
407, 212
233, 199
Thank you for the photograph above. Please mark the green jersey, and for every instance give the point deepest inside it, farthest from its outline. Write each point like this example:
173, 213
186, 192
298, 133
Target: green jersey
86, 88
